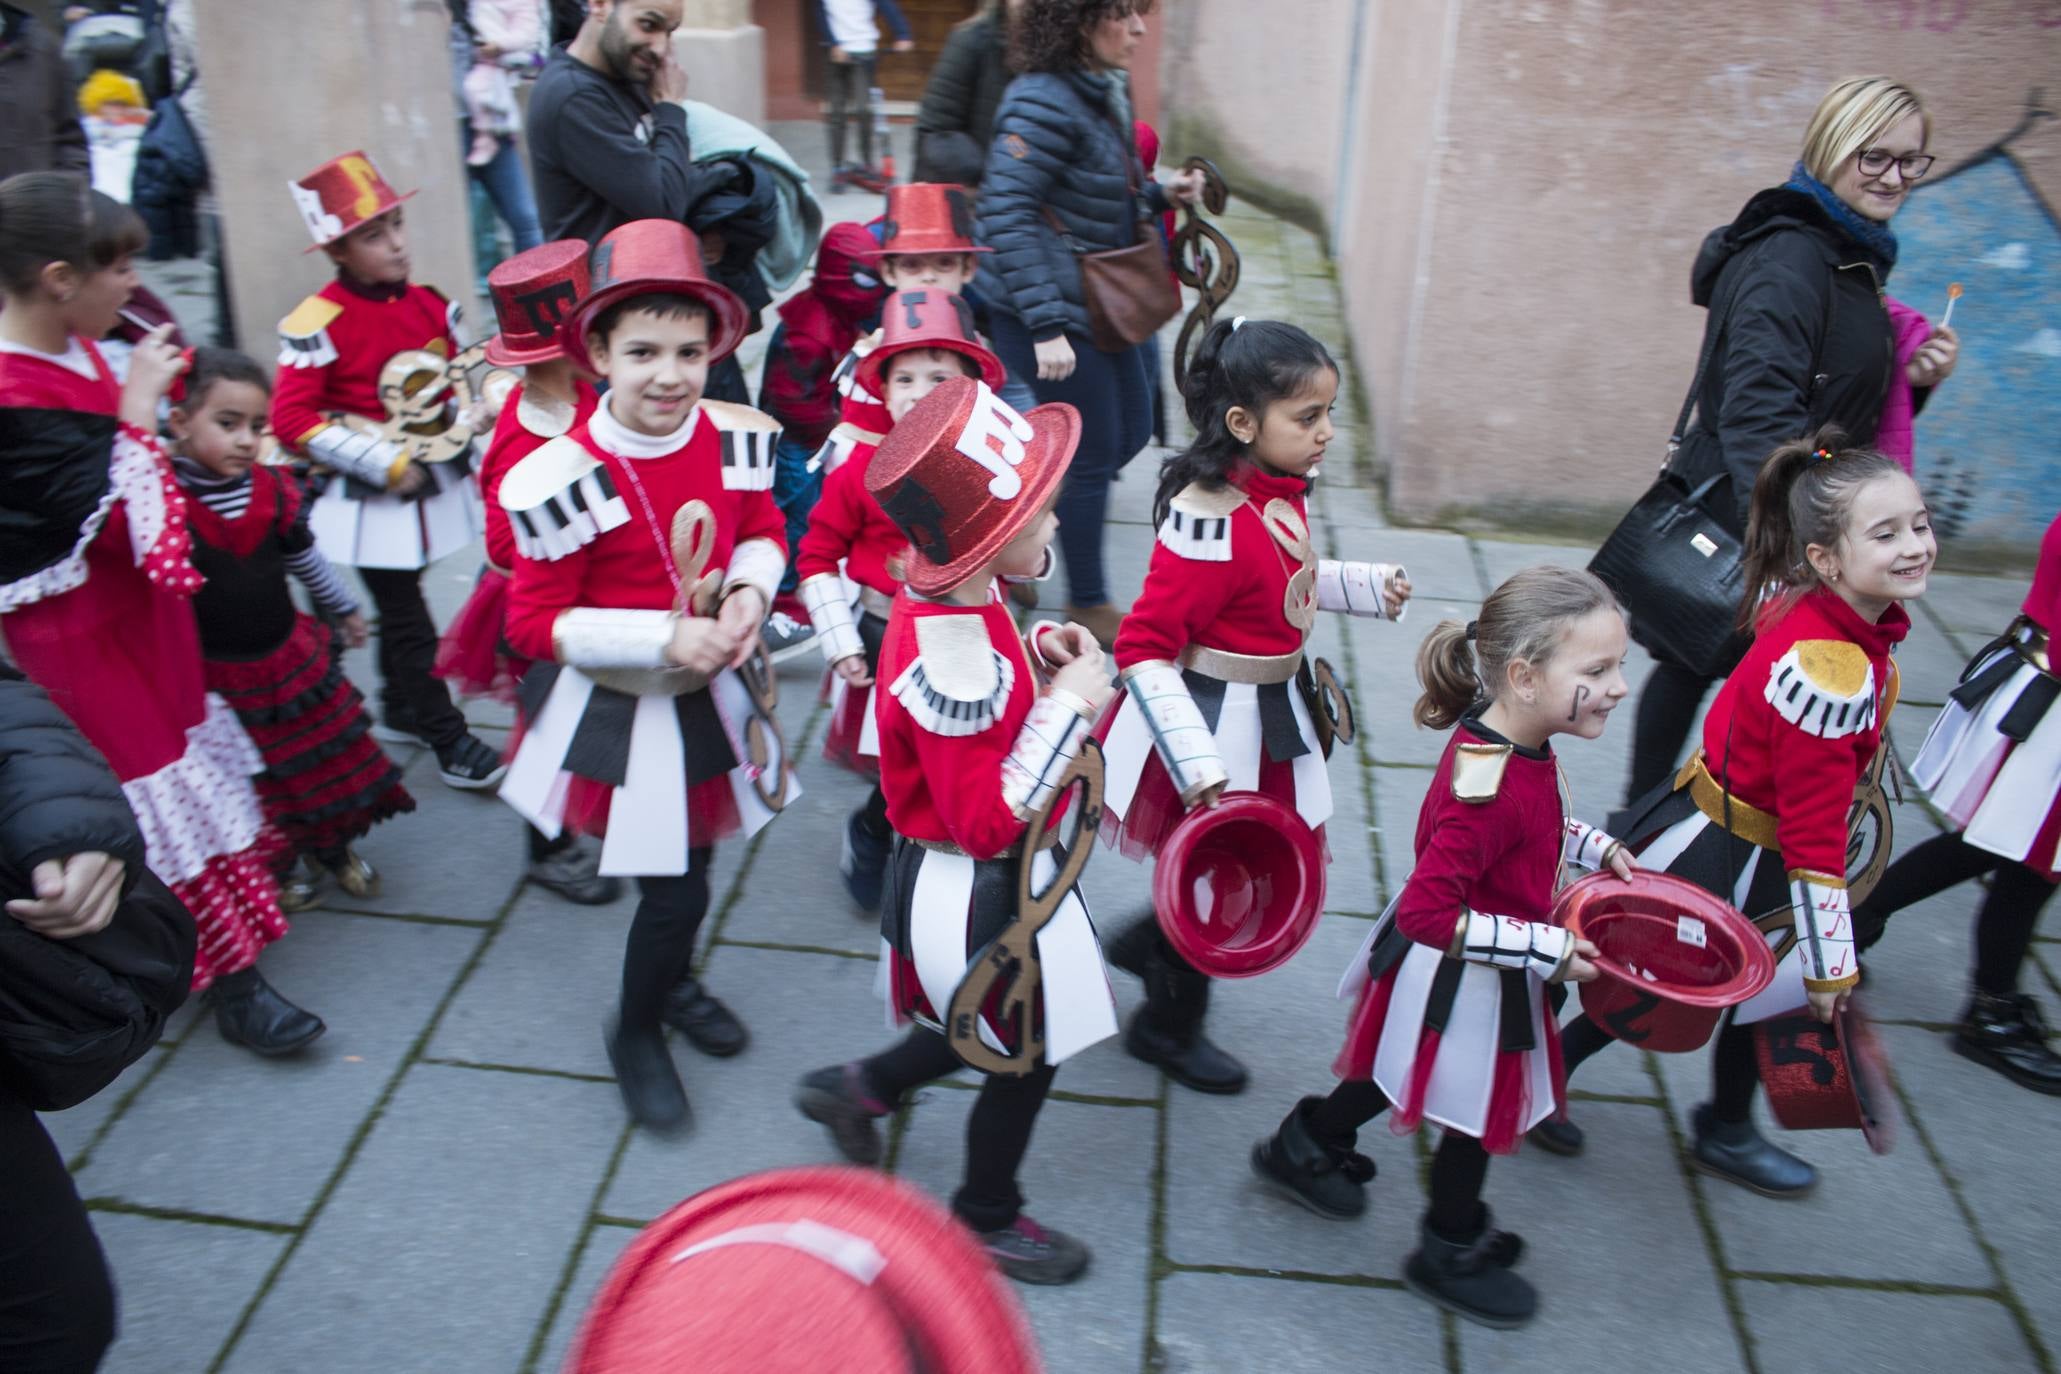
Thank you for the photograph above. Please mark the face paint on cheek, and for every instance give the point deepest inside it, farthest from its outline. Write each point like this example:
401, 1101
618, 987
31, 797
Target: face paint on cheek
1581, 697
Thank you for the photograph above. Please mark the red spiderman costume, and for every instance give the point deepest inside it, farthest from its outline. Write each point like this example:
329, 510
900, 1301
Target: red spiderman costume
818, 327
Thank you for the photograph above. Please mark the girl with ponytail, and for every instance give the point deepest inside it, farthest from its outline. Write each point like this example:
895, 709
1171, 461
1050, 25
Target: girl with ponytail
1217, 692
1470, 934
1837, 539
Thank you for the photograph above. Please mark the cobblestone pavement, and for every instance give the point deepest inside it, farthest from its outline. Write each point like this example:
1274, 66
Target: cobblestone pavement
442, 1181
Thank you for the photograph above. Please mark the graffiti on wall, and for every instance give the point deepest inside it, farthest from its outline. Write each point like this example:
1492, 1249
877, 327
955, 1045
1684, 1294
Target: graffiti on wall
1989, 441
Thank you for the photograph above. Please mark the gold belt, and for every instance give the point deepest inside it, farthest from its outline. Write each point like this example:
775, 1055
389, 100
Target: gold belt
1745, 820
1046, 840
648, 682
1226, 666
875, 602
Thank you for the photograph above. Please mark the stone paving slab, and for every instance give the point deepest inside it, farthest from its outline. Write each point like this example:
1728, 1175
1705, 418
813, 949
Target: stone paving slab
75, 1129
1218, 1324
414, 852
1979, 606
182, 1288
603, 1245
1880, 1330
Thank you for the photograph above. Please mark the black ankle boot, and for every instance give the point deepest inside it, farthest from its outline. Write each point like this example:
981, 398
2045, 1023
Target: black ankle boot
250, 1012
1558, 1136
1167, 1031
2005, 1031
1737, 1152
1184, 1054
1469, 1275
644, 1073
1328, 1178
708, 1025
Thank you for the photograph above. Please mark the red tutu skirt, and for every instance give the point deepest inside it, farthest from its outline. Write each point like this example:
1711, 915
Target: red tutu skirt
1156, 808
326, 780
473, 656
712, 812
851, 742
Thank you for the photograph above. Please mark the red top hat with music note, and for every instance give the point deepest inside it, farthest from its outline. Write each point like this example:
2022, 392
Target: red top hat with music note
654, 256
926, 318
1238, 886
341, 195
927, 217
534, 292
800, 1270
962, 474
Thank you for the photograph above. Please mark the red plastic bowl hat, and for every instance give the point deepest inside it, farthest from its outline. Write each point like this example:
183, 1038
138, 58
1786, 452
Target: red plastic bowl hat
647, 256
1239, 886
798, 1271
1828, 1078
926, 318
1673, 956
534, 292
340, 195
927, 217
963, 474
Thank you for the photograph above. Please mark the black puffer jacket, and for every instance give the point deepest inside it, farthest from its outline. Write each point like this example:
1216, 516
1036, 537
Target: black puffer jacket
58, 797
1057, 147
956, 121
1805, 341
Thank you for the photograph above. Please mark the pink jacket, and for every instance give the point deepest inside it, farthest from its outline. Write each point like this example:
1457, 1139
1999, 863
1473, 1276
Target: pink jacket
1899, 408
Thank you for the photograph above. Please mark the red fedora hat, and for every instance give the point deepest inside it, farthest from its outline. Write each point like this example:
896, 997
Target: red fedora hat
963, 474
927, 217
1823, 1077
340, 195
654, 255
927, 318
1672, 956
533, 293
802, 1270
1239, 886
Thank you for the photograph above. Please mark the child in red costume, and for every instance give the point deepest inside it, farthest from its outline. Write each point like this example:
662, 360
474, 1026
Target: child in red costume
326, 781
1993, 766
96, 582
647, 550
1452, 1023
533, 292
972, 748
1836, 539
375, 509
1217, 691
928, 338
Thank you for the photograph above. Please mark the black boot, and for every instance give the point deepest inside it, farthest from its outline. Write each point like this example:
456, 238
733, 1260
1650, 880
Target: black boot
2005, 1031
1325, 1176
1167, 1031
838, 1098
1738, 1153
708, 1025
1558, 1136
250, 1012
1470, 1276
645, 1075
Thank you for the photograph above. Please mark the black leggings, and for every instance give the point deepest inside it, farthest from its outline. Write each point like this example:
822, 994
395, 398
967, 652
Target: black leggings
997, 1133
1734, 1067
2003, 926
660, 950
57, 1302
409, 692
873, 814
1459, 1167
1660, 727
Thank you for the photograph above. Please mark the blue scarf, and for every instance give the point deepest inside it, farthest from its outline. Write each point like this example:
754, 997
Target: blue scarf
1870, 234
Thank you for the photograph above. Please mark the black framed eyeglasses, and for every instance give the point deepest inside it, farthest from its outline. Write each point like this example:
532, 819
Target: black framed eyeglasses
1874, 162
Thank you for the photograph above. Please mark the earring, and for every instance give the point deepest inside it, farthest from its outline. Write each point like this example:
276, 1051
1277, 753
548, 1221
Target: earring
1835, 575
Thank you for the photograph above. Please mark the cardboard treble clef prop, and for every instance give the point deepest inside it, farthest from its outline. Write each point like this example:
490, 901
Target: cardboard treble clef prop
764, 746
1203, 259
1331, 710
1010, 960
430, 401
1870, 829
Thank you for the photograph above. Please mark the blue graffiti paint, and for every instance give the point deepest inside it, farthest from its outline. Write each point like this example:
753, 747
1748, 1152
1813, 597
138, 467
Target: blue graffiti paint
1989, 441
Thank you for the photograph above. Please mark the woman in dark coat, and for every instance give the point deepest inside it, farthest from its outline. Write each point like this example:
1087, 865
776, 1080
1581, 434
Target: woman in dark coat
956, 121
1794, 288
1059, 180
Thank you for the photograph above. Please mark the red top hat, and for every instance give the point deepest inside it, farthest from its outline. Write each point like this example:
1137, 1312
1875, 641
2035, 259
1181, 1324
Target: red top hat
927, 217
340, 195
926, 318
533, 293
801, 1270
962, 474
654, 255
1239, 886
1828, 1077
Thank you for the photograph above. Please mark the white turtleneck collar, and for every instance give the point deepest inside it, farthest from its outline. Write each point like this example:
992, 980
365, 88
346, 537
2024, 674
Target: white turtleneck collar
624, 442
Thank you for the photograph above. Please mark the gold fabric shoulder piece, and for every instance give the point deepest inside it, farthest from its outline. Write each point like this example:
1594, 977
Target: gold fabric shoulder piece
730, 416
1198, 499
310, 318
1824, 687
1834, 666
1478, 771
546, 471
958, 657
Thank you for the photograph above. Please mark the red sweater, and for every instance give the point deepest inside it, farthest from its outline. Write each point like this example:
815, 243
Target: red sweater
1799, 720
512, 442
624, 567
848, 523
1232, 603
334, 344
1500, 857
947, 788
2043, 602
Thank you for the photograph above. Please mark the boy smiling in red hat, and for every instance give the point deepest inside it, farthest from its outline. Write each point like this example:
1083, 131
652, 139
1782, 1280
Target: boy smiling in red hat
647, 551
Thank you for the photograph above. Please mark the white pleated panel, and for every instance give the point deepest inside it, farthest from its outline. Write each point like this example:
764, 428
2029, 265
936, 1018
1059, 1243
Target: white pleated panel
535, 784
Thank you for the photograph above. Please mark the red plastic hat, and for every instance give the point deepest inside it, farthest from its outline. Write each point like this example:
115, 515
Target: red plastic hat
926, 318
927, 217
1828, 1078
1673, 957
340, 195
534, 292
963, 474
797, 1271
1239, 886
654, 255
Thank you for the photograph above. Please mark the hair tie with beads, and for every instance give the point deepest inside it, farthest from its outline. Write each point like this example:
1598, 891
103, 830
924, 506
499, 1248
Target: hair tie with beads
1471, 631
1823, 455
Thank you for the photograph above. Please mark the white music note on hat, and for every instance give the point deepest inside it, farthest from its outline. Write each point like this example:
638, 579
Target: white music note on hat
994, 437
